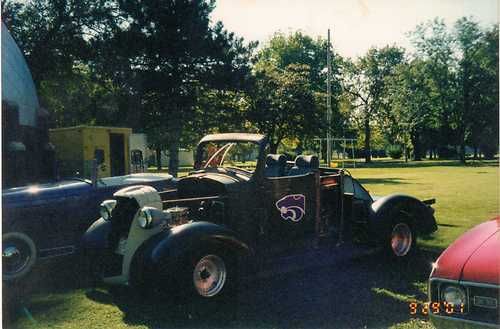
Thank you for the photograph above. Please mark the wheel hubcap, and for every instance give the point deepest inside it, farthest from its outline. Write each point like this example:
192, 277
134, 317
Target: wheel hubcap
209, 275
15, 258
401, 239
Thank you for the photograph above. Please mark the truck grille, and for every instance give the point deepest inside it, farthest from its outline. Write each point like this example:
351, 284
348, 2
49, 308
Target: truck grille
121, 219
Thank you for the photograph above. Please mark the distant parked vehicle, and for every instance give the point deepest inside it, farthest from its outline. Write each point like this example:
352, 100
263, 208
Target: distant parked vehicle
464, 286
45, 221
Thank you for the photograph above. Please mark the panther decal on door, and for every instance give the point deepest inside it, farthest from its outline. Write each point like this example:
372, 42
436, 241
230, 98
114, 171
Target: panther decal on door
292, 207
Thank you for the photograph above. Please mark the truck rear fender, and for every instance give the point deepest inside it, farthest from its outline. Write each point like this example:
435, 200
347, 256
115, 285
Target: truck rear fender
421, 213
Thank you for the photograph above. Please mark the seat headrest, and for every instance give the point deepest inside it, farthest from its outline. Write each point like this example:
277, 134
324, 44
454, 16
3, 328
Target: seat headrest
275, 159
307, 161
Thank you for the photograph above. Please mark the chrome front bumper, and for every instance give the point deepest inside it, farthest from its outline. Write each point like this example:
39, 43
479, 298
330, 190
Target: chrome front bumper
447, 322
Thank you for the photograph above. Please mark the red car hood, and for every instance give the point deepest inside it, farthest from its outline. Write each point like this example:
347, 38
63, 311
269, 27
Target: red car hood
484, 264
474, 256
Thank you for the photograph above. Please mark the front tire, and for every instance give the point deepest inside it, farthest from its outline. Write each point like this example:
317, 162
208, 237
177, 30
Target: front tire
19, 255
211, 275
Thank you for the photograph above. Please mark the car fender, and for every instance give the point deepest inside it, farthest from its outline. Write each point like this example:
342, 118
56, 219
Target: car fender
422, 214
96, 236
165, 250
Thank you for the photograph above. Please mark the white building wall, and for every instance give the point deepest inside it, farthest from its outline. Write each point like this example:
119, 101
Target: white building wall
186, 158
17, 83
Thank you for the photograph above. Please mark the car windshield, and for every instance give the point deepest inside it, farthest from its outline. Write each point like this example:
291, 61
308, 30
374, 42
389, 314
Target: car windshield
235, 155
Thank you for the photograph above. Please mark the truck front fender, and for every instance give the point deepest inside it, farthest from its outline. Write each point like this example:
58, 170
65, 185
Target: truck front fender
167, 249
421, 213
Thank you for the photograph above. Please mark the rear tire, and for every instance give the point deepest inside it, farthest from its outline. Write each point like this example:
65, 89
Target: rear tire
400, 242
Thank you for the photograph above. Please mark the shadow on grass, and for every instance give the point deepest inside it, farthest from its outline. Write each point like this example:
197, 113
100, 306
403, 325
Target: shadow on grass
364, 292
426, 163
367, 291
447, 225
389, 181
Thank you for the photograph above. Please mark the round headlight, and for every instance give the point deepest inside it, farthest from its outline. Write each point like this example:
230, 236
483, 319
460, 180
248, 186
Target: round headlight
145, 217
106, 208
454, 295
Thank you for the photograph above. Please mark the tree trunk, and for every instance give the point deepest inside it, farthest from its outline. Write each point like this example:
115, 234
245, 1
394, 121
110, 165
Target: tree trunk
158, 158
173, 153
368, 155
462, 150
475, 152
273, 147
415, 141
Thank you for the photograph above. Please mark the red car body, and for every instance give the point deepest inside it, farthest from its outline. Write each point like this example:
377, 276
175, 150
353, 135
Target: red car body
472, 265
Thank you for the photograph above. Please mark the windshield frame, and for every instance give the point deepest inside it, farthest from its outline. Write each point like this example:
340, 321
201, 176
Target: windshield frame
260, 159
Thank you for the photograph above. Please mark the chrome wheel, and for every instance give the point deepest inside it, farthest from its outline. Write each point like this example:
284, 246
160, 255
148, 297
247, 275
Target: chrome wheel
18, 255
209, 275
401, 239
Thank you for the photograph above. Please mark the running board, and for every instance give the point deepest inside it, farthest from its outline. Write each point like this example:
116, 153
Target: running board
321, 257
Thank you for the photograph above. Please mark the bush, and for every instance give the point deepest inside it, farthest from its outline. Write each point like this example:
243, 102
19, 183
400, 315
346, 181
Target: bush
395, 151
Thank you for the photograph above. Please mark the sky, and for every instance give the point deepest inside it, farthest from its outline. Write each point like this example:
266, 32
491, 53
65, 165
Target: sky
356, 25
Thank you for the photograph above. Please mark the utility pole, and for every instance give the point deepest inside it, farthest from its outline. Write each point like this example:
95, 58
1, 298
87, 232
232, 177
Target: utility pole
328, 104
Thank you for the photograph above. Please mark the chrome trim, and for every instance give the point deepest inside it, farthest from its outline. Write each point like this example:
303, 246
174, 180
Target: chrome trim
52, 252
480, 285
486, 298
450, 318
467, 283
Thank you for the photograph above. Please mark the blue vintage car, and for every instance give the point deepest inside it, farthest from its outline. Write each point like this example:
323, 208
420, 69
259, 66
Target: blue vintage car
48, 220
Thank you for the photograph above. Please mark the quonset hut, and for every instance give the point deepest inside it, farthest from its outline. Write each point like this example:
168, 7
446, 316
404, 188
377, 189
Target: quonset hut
27, 155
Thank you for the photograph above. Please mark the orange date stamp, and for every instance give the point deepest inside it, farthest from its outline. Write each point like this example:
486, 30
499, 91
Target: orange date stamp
427, 308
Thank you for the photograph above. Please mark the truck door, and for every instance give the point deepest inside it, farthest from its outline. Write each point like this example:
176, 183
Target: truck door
291, 208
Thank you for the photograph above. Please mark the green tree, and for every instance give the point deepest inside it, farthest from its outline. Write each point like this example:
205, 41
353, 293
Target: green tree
363, 83
463, 63
55, 35
478, 83
410, 96
297, 48
467, 36
82, 100
167, 54
435, 45
484, 128
283, 54
282, 103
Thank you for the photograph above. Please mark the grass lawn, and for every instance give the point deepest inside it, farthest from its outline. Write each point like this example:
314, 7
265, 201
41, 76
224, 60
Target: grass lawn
465, 197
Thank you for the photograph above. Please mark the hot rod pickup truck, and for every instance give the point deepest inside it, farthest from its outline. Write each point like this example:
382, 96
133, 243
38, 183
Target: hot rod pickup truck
243, 206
